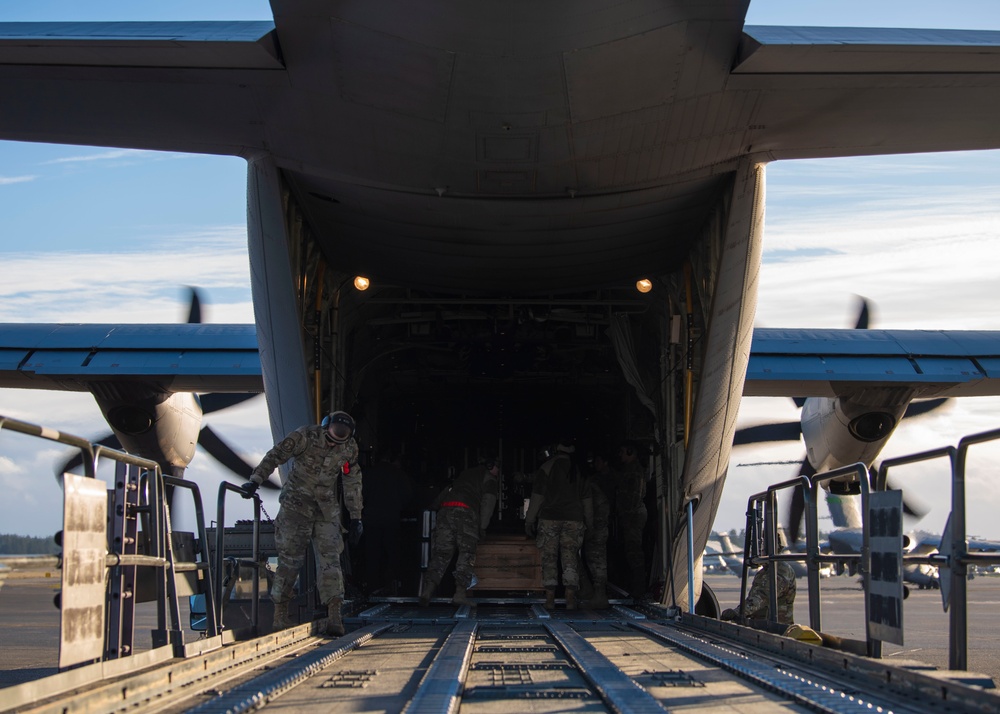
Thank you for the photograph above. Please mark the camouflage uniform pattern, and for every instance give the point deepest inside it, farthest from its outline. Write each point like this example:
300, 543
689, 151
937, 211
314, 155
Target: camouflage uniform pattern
560, 540
310, 509
456, 529
561, 518
630, 505
758, 602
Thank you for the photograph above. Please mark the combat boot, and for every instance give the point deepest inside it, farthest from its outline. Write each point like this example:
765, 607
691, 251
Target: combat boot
550, 599
570, 598
461, 597
334, 623
427, 593
281, 620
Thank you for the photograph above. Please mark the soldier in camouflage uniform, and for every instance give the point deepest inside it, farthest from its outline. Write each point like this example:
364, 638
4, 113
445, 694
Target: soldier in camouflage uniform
464, 511
561, 505
630, 510
311, 510
757, 605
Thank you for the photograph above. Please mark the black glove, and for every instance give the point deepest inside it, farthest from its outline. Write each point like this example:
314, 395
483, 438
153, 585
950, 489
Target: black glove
249, 489
354, 531
530, 528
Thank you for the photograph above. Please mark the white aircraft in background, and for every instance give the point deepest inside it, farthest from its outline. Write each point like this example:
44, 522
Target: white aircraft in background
480, 230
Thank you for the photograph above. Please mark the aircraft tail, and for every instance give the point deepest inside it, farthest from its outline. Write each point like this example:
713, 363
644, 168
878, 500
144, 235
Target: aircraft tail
845, 511
727, 543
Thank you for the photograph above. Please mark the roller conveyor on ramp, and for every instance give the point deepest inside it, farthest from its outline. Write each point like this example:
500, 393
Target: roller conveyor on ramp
510, 658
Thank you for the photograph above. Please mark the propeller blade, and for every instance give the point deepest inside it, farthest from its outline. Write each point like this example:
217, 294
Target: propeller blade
224, 454
783, 431
909, 508
863, 315
76, 461
797, 506
922, 407
194, 310
214, 401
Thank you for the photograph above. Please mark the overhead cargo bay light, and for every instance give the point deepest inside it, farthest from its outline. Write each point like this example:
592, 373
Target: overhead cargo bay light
644, 285
361, 282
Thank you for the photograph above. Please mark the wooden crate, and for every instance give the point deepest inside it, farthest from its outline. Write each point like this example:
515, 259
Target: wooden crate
508, 562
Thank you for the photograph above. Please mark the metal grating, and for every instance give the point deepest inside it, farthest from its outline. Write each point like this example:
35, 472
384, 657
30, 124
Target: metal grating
503, 636
668, 678
526, 665
527, 692
500, 648
352, 678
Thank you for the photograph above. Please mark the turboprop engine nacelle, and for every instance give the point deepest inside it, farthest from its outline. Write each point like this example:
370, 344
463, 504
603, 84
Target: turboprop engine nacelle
158, 426
841, 431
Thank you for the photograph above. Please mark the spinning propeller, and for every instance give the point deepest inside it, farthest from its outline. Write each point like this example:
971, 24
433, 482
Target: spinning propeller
792, 431
164, 427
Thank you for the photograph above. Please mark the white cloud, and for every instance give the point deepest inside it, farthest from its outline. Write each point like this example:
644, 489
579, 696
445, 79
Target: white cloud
8, 180
131, 286
115, 155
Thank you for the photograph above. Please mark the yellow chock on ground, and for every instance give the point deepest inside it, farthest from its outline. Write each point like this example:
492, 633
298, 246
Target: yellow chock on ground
804, 634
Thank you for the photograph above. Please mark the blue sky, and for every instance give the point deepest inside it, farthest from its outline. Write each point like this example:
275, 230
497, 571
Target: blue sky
97, 235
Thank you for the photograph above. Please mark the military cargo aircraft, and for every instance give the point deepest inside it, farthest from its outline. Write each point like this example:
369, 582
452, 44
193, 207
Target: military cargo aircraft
481, 228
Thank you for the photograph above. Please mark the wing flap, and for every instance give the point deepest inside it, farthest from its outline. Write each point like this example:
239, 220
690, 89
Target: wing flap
830, 363
174, 358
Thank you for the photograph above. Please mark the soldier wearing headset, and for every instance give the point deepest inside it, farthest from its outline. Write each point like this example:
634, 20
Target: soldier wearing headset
311, 510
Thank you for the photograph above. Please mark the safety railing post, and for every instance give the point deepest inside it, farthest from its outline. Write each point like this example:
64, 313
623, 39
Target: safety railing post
958, 618
690, 539
211, 613
809, 493
220, 556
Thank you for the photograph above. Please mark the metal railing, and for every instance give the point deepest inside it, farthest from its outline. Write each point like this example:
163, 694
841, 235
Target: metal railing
149, 503
220, 554
953, 557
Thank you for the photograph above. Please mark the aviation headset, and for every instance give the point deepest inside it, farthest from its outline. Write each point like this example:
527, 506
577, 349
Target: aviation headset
339, 425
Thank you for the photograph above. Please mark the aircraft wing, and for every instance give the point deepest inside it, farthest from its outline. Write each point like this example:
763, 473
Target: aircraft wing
830, 363
174, 358
224, 358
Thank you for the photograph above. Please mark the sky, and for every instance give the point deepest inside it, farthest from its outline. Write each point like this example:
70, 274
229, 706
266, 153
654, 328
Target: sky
97, 235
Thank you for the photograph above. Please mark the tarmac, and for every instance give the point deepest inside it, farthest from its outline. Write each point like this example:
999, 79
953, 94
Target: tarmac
29, 622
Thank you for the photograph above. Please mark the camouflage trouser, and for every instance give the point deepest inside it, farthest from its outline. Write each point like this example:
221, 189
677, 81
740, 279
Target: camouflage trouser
293, 530
758, 602
456, 529
560, 539
595, 549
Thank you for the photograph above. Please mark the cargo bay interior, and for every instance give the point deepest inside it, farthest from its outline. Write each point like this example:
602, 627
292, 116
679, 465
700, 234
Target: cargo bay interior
451, 379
